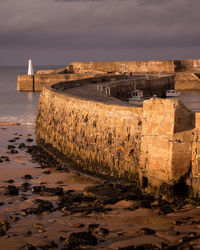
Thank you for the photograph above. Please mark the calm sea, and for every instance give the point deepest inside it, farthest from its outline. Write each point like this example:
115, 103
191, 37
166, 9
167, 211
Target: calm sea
17, 106
22, 106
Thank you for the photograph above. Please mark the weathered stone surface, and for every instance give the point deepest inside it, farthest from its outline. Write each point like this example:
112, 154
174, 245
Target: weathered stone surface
157, 142
166, 154
112, 147
121, 67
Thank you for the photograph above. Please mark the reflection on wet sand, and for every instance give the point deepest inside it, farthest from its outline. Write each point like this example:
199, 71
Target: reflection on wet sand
57, 209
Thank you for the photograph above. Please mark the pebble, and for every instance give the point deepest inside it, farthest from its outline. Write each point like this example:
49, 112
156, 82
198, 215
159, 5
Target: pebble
29, 247
13, 151
81, 239
146, 231
38, 226
4, 158
11, 140
52, 191
25, 187
78, 225
10, 181
27, 176
165, 210
28, 233
11, 190
103, 231
29, 140
21, 145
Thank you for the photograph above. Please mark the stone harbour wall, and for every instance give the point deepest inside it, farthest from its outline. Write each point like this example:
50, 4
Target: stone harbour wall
184, 71
158, 143
186, 81
38, 81
101, 138
140, 67
166, 140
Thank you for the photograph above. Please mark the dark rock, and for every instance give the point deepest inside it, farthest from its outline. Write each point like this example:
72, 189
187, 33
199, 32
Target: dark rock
146, 231
81, 239
29, 211
27, 177
5, 225
92, 226
28, 233
162, 245
11, 140
39, 227
84, 209
103, 231
13, 219
43, 205
147, 247
127, 248
2, 232
52, 245
46, 172
13, 151
16, 138
59, 182
28, 247
141, 204
37, 189
21, 145
165, 210
78, 225
4, 158
10, 181
52, 191
29, 140
22, 198
11, 190
61, 239
163, 203
1, 203
68, 200
10, 146
185, 247
25, 187
177, 222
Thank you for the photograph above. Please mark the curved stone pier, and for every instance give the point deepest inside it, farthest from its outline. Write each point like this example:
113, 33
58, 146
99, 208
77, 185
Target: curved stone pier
155, 144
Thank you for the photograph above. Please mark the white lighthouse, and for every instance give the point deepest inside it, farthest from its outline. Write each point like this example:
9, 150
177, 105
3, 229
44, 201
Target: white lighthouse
30, 68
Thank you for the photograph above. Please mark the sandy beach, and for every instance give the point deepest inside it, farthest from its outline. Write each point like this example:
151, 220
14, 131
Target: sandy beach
45, 205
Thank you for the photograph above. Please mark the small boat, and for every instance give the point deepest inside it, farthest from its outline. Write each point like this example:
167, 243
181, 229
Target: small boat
172, 93
136, 97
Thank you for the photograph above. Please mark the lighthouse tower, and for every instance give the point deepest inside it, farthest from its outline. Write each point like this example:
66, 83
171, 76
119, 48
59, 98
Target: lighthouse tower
30, 68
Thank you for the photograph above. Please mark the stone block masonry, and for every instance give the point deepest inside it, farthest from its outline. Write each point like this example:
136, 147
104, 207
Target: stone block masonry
101, 138
104, 135
38, 81
158, 142
184, 71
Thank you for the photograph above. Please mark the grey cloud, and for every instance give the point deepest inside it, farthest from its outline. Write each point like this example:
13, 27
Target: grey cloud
93, 25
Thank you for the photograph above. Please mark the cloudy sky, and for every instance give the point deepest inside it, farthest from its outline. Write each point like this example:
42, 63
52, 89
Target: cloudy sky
59, 31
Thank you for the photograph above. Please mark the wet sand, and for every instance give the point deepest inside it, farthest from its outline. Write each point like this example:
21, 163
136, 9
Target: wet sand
112, 222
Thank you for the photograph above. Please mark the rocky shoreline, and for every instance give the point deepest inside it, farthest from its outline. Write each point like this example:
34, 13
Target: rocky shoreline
45, 205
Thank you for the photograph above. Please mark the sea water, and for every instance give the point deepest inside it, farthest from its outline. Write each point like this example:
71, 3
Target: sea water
17, 106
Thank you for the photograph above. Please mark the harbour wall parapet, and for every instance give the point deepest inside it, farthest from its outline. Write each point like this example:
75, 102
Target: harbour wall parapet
38, 81
155, 145
184, 71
